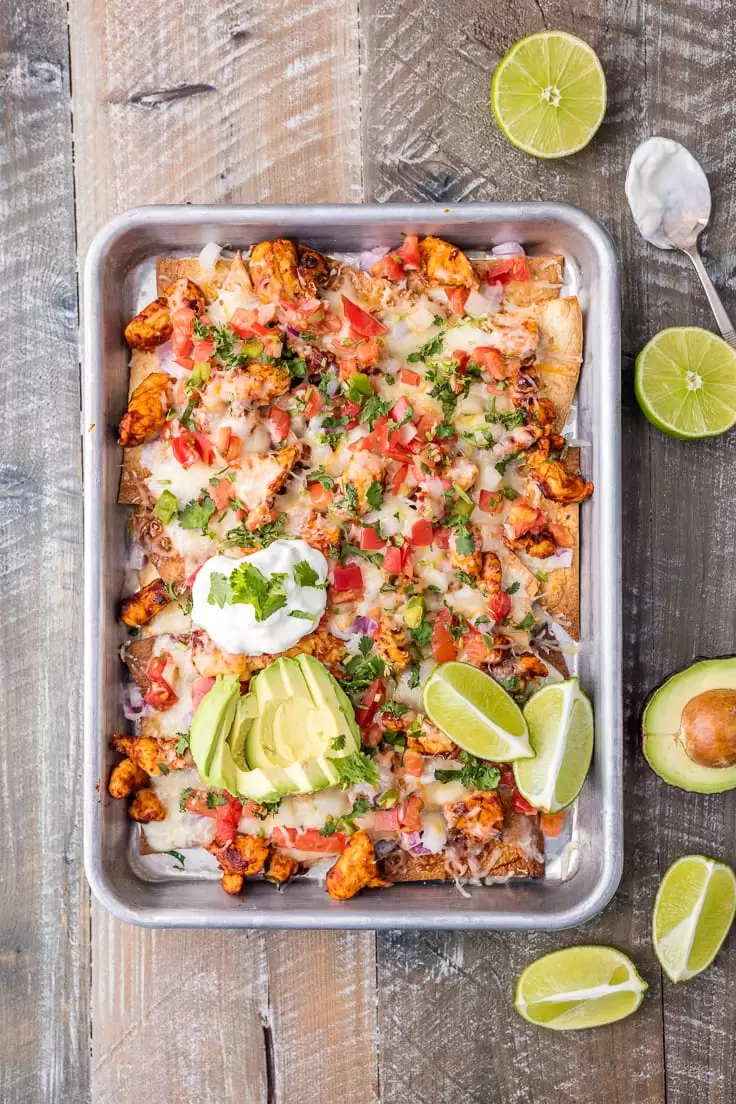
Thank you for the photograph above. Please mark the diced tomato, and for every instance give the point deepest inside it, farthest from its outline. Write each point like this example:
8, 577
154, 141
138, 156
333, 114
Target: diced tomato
521, 805
413, 762
505, 269
221, 491
183, 319
410, 810
421, 534
314, 403
350, 409
184, 447
562, 536
205, 448
202, 350
489, 502
242, 322
181, 344
196, 803
372, 735
393, 561
159, 694
280, 423
444, 648
425, 425
461, 358
228, 443
368, 352
390, 444
411, 379
386, 820
457, 297
370, 540
321, 497
227, 818
475, 649
397, 480
200, 687
490, 360
361, 322
193, 576
184, 362
388, 267
552, 824
349, 577
374, 696
400, 409
309, 840
441, 538
499, 605
408, 251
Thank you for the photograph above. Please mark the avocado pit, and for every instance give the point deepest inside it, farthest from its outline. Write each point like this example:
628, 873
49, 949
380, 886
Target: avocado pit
708, 728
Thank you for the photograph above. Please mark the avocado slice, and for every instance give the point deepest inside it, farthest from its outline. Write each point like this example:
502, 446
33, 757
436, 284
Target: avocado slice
209, 730
667, 734
238, 735
268, 784
328, 694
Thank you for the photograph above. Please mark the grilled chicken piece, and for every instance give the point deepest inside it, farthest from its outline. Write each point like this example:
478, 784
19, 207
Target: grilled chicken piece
262, 477
491, 578
392, 644
461, 473
153, 326
274, 270
314, 268
139, 608
239, 859
540, 545
126, 777
321, 532
469, 562
142, 750
532, 666
258, 383
431, 741
445, 265
146, 807
355, 869
478, 817
363, 469
280, 868
146, 411
557, 483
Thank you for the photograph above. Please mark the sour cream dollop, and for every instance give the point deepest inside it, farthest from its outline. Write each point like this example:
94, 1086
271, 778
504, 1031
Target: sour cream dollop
234, 626
668, 193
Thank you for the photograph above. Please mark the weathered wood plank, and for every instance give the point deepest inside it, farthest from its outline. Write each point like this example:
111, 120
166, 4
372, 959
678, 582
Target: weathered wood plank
220, 103
426, 138
44, 947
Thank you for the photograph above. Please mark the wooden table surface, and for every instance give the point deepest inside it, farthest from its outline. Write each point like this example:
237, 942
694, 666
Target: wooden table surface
111, 103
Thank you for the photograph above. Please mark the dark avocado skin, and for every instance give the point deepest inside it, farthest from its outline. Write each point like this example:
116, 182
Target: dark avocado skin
660, 684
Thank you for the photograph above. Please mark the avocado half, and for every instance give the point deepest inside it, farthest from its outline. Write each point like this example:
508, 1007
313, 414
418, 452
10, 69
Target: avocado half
693, 712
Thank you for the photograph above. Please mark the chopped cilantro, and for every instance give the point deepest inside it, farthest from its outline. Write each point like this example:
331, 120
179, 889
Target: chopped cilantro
240, 537
359, 388
249, 586
511, 684
186, 417
333, 428
184, 797
475, 774
509, 419
376, 558
514, 588
219, 589
306, 576
373, 409
177, 855
349, 500
214, 799
162, 768
526, 623
509, 493
464, 577
502, 465
413, 680
395, 739
374, 495
431, 348
337, 743
196, 514
166, 507
319, 475
182, 743
394, 708
304, 615
357, 767
421, 634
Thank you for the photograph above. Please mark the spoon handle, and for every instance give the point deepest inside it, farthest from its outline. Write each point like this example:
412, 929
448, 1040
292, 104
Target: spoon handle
725, 325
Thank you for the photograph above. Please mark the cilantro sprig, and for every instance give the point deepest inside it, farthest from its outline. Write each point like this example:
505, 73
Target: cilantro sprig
475, 774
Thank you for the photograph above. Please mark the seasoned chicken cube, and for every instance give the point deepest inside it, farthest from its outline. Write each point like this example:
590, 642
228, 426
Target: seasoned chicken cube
363, 470
462, 557
557, 483
355, 869
445, 265
140, 607
258, 383
143, 750
146, 807
322, 532
262, 477
275, 273
479, 817
280, 868
430, 741
146, 411
239, 859
315, 268
532, 666
185, 293
392, 644
462, 473
126, 777
491, 579
151, 327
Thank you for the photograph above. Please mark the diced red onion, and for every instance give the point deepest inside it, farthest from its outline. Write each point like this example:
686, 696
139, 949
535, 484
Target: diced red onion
369, 257
412, 841
293, 331
134, 706
364, 625
508, 249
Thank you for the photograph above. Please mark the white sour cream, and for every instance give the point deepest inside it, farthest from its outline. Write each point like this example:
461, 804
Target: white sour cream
668, 193
235, 628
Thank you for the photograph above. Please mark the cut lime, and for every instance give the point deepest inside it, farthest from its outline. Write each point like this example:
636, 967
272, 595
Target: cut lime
549, 94
476, 713
685, 381
560, 722
693, 913
579, 987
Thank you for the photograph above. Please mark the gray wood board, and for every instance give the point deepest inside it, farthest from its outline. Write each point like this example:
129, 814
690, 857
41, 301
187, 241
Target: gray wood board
446, 1027
44, 919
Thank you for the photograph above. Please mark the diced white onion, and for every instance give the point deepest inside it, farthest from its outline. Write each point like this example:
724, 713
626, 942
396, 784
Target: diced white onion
508, 249
209, 257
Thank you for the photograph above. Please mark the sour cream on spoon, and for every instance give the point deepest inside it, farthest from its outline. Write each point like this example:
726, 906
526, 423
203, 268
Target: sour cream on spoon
259, 621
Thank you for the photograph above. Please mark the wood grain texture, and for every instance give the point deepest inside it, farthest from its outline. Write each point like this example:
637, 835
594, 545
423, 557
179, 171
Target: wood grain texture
222, 103
44, 946
428, 135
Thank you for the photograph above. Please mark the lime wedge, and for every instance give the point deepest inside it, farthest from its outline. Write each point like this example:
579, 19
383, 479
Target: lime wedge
693, 913
549, 94
476, 713
560, 722
579, 987
685, 381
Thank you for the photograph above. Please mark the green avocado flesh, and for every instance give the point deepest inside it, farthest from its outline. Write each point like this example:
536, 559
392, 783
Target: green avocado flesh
662, 743
279, 737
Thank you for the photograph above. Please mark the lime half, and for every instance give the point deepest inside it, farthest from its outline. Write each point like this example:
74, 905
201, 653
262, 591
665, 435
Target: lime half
560, 722
685, 381
579, 987
693, 913
549, 94
475, 712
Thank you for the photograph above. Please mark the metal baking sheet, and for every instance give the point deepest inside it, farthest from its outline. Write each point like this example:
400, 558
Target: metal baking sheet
584, 868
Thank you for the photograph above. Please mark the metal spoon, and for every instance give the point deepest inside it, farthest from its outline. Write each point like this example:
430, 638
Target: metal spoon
669, 197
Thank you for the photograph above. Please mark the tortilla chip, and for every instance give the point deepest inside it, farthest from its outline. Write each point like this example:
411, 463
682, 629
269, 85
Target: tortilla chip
171, 269
561, 329
561, 593
171, 568
136, 656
